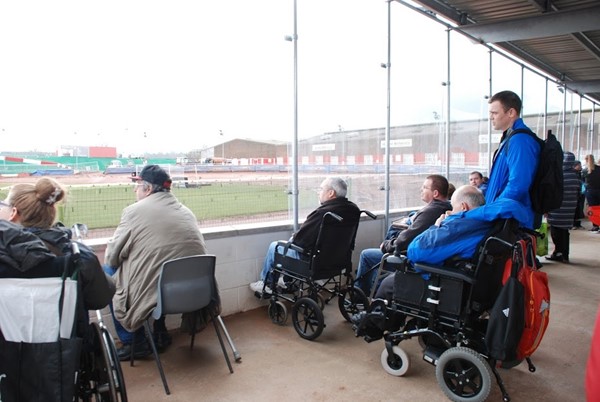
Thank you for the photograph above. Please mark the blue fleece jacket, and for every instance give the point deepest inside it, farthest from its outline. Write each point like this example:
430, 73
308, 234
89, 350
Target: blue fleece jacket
459, 234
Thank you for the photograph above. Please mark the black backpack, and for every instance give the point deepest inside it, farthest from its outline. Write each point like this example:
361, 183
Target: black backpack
546, 191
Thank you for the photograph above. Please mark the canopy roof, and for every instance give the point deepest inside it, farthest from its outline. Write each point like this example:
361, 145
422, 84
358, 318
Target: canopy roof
559, 37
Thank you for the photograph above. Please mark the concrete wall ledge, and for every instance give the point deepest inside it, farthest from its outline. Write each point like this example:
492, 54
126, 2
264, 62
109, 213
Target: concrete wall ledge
240, 251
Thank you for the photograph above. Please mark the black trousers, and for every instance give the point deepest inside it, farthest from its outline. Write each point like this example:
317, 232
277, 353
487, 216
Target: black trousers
579, 214
560, 238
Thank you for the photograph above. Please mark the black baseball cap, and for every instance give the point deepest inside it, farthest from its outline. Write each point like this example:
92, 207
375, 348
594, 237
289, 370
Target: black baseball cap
154, 174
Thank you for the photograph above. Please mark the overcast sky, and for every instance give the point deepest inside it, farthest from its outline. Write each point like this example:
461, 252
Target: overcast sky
150, 76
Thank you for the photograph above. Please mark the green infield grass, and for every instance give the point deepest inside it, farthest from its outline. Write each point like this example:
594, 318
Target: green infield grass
100, 206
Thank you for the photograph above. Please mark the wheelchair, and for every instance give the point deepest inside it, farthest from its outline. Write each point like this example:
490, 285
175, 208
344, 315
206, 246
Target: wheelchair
100, 375
448, 314
317, 277
72, 359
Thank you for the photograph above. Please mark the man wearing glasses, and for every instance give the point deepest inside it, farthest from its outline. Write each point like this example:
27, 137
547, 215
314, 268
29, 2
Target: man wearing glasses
434, 192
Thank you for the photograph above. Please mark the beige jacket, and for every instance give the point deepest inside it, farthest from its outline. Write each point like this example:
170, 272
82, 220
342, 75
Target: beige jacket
152, 231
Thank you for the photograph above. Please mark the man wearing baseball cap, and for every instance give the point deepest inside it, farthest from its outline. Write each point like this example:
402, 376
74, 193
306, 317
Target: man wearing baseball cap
155, 229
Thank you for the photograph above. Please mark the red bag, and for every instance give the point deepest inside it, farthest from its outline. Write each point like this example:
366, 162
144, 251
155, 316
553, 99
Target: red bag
537, 305
536, 294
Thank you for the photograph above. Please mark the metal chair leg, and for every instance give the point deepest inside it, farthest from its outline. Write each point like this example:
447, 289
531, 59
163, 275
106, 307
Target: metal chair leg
132, 349
214, 321
156, 358
194, 321
236, 354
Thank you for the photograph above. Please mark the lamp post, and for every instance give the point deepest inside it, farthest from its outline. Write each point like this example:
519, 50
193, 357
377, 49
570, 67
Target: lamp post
343, 140
222, 146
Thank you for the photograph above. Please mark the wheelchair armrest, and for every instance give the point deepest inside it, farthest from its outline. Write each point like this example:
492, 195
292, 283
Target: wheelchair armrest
287, 245
451, 272
398, 262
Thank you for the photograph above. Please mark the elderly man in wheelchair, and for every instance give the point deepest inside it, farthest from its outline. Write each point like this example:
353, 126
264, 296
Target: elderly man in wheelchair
443, 289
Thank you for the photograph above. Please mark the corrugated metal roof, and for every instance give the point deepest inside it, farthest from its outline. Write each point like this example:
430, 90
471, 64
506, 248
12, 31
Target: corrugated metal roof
560, 37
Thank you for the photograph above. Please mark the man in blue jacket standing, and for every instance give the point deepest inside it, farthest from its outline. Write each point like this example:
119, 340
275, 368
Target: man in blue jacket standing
514, 165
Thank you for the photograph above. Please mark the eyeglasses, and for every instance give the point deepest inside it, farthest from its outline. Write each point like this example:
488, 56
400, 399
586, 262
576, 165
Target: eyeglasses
4, 204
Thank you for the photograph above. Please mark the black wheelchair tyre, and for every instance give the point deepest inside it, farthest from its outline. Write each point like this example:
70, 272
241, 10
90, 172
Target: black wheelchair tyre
464, 375
319, 299
307, 318
103, 376
277, 312
352, 300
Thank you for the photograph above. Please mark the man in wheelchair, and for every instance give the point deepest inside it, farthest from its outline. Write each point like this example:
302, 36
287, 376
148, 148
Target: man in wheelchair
434, 193
332, 197
454, 237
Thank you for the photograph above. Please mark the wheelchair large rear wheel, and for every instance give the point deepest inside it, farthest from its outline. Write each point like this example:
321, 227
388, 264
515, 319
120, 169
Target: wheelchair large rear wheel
106, 378
352, 300
307, 318
397, 364
319, 300
464, 375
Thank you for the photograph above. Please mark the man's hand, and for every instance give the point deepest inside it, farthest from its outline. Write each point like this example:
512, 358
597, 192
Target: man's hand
388, 246
443, 216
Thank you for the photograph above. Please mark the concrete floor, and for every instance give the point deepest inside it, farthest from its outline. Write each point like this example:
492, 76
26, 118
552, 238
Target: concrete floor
277, 364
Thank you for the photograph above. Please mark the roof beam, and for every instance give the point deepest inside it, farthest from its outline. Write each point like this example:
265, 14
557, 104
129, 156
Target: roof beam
440, 7
584, 87
548, 24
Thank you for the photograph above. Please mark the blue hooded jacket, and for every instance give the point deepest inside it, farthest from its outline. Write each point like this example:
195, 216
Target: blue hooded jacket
458, 235
513, 171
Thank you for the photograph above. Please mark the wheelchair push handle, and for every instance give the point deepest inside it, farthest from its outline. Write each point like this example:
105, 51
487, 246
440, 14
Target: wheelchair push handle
334, 216
79, 230
75, 248
368, 213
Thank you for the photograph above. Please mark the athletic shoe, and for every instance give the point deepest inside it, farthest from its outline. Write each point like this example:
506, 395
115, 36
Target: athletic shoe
259, 286
555, 257
281, 283
358, 317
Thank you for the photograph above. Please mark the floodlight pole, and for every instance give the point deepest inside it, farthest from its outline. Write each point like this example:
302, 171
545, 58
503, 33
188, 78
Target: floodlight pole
294, 193
388, 67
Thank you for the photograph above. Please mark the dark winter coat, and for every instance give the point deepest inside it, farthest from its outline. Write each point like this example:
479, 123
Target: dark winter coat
564, 216
31, 253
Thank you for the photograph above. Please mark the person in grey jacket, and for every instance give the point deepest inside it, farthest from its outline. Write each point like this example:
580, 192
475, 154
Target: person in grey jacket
155, 229
561, 219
